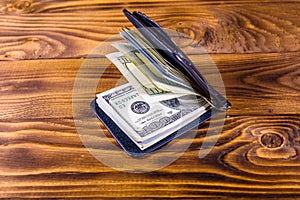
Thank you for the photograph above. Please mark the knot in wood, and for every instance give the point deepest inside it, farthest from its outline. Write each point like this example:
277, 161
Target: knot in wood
22, 5
271, 140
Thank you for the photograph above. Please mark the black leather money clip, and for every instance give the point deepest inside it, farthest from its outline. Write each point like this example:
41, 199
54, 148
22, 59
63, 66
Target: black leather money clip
160, 40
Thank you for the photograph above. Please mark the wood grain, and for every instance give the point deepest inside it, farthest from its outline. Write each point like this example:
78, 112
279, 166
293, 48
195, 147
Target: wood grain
240, 165
71, 29
43, 48
256, 156
255, 84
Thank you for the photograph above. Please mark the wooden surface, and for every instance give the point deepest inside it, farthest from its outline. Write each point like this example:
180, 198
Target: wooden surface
255, 44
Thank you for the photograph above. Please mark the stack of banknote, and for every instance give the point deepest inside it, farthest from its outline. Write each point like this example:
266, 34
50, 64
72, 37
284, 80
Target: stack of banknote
164, 95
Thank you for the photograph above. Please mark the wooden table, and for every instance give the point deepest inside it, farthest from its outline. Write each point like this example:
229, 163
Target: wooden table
256, 46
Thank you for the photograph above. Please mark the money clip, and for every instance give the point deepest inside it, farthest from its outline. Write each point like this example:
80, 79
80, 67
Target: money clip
161, 41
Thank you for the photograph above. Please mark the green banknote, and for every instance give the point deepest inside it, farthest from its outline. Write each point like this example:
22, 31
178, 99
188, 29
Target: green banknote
148, 122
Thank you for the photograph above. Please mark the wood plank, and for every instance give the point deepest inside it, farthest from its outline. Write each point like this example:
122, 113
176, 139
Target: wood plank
255, 45
256, 84
69, 29
255, 157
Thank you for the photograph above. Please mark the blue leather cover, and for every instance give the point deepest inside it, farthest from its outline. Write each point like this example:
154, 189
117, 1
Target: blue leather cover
129, 146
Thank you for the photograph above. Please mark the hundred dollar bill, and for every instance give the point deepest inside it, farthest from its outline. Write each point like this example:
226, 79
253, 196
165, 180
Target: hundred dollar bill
144, 82
133, 74
152, 56
148, 122
162, 80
